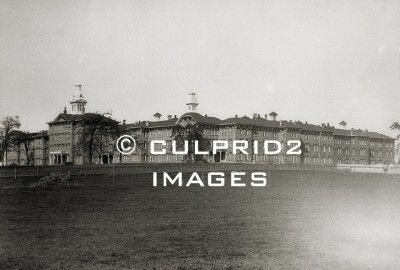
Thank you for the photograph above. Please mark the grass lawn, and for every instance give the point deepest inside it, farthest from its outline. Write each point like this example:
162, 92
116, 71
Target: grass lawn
322, 221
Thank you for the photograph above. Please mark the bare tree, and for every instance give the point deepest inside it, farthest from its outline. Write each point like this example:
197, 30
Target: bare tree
8, 124
19, 138
96, 128
191, 133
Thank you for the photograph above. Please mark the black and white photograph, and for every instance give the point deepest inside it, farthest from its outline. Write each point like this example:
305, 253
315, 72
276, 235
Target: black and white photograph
195, 134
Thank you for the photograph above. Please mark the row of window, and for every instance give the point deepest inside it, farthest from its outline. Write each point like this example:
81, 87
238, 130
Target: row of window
316, 147
363, 152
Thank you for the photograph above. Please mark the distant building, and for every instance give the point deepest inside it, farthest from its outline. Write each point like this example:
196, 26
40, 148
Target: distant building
322, 144
29, 149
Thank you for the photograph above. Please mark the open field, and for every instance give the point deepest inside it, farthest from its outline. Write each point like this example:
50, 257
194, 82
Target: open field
319, 221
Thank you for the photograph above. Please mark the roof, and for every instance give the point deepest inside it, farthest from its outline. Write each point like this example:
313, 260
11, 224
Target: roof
251, 121
67, 117
19, 134
260, 122
79, 117
306, 126
173, 121
40, 134
153, 124
360, 133
379, 136
203, 119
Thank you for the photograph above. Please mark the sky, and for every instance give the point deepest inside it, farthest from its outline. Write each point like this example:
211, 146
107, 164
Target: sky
315, 61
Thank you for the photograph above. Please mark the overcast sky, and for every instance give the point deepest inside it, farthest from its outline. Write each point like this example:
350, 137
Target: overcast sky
316, 61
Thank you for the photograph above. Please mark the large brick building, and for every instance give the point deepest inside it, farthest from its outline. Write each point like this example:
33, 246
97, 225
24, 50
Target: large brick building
322, 144
66, 132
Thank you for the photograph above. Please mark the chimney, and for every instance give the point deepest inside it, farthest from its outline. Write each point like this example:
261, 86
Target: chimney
205, 115
266, 116
157, 116
235, 115
343, 124
306, 122
124, 122
169, 116
147, 123
273, 115
175, 116
254, 115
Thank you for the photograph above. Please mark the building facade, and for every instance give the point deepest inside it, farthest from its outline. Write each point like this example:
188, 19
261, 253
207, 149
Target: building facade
321, 144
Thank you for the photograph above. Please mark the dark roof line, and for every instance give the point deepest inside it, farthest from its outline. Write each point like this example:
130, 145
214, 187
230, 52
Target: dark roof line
258, 121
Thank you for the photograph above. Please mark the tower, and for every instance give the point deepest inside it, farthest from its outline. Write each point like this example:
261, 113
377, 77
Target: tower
192, 104
78, 102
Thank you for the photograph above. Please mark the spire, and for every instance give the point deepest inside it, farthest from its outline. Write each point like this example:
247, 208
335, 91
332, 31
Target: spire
78, 102
192, 104
65, 110
78, 93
